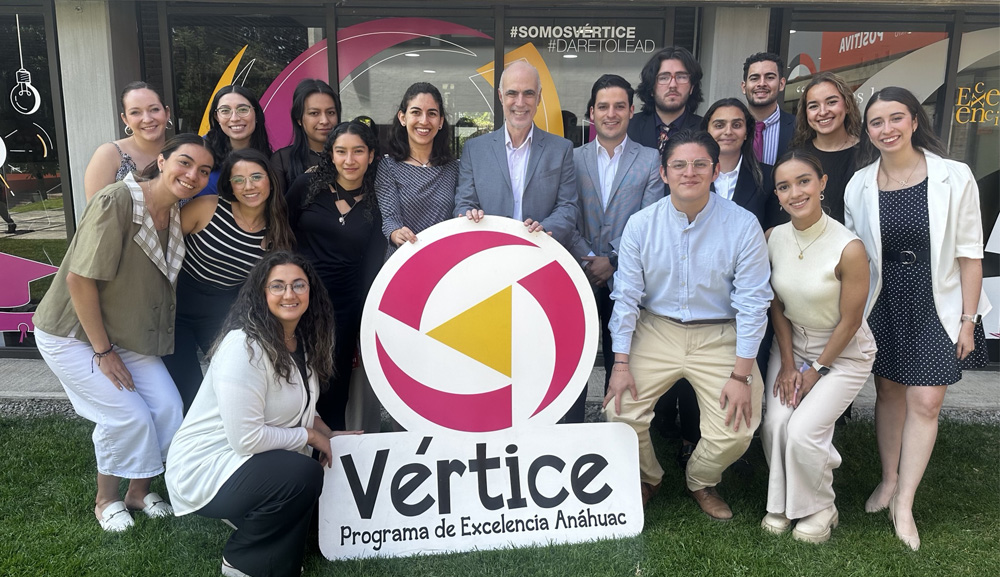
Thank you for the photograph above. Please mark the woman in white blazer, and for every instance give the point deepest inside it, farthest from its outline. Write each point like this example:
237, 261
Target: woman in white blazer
918, 215
243, 451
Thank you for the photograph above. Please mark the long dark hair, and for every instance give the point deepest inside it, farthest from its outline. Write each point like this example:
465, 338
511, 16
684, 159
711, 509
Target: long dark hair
922, 136
647, 78
152, 169
746, 149
218, 140
852, 118
399, 140
279, 234
325, 174
300, 141
251, 314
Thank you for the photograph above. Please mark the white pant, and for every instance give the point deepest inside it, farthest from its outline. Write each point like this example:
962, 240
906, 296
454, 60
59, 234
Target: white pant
798, 443
133, 429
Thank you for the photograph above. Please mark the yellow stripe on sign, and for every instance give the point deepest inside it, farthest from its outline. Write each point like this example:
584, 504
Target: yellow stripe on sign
483, 332
225, 80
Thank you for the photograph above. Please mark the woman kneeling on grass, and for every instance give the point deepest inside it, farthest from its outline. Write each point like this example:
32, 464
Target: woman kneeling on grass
111, 307
242, 453
822, 352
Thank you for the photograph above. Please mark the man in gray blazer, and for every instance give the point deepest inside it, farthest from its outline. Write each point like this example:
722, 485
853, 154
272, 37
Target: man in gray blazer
615, 177
520, 171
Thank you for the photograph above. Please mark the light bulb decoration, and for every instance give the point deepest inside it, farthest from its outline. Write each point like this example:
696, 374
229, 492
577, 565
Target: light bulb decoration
24, 97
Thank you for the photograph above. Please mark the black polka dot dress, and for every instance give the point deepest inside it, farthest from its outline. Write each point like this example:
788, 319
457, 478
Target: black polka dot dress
913, 347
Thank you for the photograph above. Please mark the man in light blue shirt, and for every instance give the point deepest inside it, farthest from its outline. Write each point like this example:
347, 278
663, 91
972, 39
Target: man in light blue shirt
691, 295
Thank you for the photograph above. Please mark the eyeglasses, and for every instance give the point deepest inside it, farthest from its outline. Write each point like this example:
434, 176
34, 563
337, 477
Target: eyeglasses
699, 164
241, 111
299, 287
242, 180
666, 77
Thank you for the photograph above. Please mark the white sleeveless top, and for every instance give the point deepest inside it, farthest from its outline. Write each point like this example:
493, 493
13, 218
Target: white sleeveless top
808, 286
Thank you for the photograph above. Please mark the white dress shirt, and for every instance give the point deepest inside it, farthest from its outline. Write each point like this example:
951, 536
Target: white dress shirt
725, 184
714, 268
517, 164
607, 168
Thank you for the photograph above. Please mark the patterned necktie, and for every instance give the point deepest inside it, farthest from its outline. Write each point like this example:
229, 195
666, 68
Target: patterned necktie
664, 137
758, 141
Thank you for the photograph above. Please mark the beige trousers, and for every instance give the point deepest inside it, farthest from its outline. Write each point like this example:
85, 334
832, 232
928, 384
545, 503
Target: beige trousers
664, 352
798, 444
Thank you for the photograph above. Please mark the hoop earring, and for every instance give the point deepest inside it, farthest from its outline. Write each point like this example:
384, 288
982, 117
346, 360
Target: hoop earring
821, 195
128, 130
170, 123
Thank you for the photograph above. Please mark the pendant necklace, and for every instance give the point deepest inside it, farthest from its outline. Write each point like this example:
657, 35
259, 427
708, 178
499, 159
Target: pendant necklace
802, 249
346, 196
903, 182
420, 162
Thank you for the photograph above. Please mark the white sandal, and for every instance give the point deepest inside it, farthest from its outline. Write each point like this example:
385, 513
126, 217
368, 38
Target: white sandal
156, 506
115, 518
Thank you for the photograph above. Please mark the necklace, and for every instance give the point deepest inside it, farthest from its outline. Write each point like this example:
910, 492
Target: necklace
159, 222
420, 162
244, 224
903, 182
348, 197
802, 249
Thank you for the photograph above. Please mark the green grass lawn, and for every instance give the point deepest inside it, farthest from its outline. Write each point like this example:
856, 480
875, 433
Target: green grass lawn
47, 526
53, 203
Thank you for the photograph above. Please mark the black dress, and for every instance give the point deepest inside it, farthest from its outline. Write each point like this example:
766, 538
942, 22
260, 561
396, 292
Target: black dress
913, 347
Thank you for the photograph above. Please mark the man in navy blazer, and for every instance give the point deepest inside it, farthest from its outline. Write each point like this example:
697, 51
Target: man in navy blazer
520, 171
615, 177
763, 83
670, 90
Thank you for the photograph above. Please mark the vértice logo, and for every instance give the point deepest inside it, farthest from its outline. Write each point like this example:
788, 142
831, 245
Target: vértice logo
479, 327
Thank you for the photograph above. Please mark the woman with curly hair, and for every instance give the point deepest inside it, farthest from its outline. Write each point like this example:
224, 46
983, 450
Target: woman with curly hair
338, 228
225, 235
243, 451
828, 126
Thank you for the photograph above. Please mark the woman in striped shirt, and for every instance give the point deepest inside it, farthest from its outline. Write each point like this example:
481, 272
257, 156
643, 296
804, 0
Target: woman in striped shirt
225, 236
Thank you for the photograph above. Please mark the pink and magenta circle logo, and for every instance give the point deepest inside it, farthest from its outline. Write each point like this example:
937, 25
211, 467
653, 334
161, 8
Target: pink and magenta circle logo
479, 327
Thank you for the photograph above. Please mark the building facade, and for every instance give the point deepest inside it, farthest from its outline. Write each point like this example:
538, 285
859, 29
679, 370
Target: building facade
63, 64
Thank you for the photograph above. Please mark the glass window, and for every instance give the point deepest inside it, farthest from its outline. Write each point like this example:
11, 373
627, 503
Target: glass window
256, 52
33, 226
378, 59
572, 53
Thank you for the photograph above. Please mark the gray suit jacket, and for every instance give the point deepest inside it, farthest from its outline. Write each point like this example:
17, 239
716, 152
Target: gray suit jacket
549, 184
637, 184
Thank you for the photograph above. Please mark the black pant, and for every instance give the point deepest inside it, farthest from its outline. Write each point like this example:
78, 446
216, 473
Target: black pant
332, 402
201, 309
270, 499
605, 306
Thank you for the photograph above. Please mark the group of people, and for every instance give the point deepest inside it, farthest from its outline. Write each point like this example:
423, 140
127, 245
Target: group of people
691, 230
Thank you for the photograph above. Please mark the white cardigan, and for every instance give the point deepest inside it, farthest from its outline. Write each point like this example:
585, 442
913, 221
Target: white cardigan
239, 411
956, 230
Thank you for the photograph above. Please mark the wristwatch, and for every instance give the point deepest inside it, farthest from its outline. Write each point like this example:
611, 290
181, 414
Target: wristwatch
748, 379
613, 259
974, 319
821, 369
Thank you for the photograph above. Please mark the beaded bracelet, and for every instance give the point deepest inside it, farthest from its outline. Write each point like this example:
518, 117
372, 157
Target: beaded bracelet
100, 356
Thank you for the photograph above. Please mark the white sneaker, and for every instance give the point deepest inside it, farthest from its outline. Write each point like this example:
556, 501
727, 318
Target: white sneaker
816, 528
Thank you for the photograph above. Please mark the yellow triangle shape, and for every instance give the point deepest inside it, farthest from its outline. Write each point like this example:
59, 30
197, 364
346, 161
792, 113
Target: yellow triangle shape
482, 332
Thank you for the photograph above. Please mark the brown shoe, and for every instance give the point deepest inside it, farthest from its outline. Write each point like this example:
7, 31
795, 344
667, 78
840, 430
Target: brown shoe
712, 504
648, 492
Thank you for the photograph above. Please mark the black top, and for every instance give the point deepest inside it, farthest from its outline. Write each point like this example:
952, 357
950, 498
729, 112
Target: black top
281, 163
347, 254
644, 127
839, 166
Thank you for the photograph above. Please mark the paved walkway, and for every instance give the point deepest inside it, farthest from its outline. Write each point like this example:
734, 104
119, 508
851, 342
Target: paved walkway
977, 391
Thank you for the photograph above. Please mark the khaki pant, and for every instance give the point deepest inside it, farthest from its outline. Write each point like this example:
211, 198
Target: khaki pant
664, 352
798, 443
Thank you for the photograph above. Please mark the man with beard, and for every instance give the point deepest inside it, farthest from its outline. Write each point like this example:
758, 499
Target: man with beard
670, 90
763, 82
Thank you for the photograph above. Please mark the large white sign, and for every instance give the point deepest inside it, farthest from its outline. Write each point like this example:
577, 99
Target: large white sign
398, 494
477, 339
